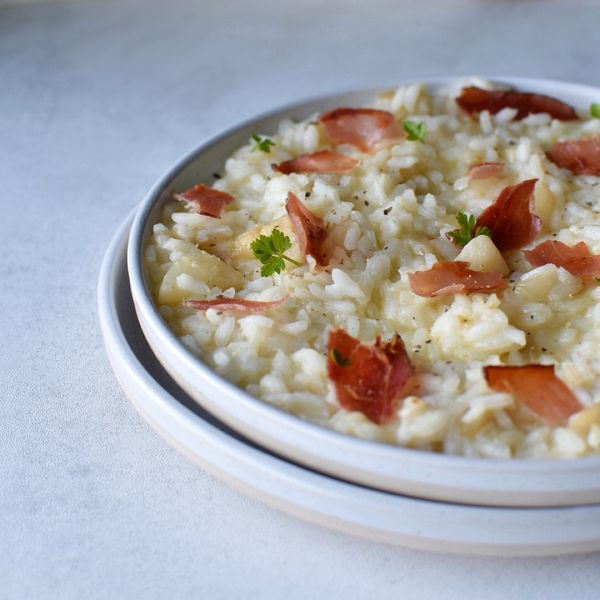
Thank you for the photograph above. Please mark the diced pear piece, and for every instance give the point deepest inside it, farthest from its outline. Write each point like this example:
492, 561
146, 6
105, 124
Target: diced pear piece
582, 421
543, 203
202, 267
535, 285
241, 249
482, 255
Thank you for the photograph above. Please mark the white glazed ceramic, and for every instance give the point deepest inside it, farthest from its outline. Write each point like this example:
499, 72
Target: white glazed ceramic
416, 473
342, 506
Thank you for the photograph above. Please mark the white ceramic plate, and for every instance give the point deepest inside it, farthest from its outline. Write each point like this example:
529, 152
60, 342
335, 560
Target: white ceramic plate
346, 507
428, 475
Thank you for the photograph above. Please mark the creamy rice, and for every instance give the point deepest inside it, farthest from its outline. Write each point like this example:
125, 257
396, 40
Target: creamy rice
390, 216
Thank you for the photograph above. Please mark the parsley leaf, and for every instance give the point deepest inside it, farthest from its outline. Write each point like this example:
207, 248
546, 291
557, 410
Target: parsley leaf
415, 131
262, 143
269, 249
336, 357
597, 279
462, 236
595, 110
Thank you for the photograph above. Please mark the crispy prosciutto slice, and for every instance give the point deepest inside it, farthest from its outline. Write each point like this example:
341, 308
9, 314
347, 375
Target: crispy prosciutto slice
509, 219
366, 128
368, 378
324, 161
309, 228
577, 259
453, 278
581, 157
205, 200
233, 304
486, 170
475, 100
538, 388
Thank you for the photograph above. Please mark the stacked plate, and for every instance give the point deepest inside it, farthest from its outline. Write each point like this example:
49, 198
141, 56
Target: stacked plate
418, 499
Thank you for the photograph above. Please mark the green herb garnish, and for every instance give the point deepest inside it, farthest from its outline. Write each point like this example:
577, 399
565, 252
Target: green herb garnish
467, 231
336, 357
597, 279
595, 110
262, 143
269, 249
415, 132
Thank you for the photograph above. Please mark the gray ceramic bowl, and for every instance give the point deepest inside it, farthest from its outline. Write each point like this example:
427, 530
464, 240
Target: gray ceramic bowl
410, 472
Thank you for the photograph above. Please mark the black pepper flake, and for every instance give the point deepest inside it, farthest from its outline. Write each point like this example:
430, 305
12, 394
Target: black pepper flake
387, 211
544, 350
216, 176
428, 342
307, 194
366, 203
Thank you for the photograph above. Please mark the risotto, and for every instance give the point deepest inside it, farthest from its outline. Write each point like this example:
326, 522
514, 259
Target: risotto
421, 272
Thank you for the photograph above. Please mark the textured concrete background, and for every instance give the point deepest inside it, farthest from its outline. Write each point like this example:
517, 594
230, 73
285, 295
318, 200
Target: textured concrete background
96, 100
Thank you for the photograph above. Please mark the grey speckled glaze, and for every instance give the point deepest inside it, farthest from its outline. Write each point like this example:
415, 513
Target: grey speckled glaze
96, 100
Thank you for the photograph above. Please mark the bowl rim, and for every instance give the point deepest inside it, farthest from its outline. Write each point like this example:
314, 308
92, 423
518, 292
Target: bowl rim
150, 313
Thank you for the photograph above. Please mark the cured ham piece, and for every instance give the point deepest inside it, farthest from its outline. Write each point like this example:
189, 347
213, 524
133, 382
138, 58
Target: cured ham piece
538, 388
310, 229
486, 170
368, 378
509, 219
324, 161
453, 278
366, 128
475, 100
577, 259
581, 157
234, 304
205, 200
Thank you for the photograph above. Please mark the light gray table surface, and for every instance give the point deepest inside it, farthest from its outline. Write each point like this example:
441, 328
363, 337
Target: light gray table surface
97, 100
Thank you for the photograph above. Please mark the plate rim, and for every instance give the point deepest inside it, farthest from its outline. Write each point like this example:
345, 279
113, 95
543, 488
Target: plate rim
338, 505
